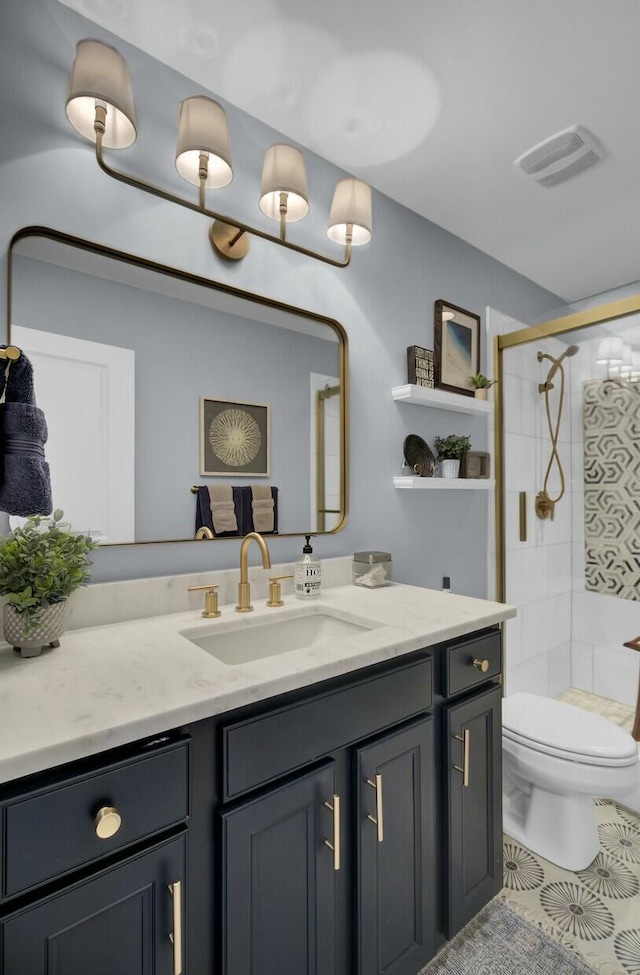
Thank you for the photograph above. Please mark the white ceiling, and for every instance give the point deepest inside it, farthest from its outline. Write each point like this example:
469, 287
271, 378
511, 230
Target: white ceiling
430, 101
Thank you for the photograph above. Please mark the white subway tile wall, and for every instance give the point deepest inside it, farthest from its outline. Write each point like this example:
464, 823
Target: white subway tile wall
539, 570
563, 636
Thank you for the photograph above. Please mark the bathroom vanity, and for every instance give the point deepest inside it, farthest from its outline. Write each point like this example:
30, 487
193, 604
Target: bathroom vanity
331, 809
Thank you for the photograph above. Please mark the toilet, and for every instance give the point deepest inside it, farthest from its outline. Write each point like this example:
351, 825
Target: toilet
556, 759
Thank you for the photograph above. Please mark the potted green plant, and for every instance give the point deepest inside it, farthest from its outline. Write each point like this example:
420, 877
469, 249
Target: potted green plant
481, 385
41, 564
449, 452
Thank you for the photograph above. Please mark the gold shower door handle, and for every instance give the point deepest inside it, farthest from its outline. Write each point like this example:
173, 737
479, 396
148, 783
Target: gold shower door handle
466, 747
378, 819
335, 846
523, 516
176, 935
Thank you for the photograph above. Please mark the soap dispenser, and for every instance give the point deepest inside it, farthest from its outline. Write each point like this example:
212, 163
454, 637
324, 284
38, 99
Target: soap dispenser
307, 573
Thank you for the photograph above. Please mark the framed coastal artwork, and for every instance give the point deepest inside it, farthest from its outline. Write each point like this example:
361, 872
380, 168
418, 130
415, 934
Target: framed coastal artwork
456, 336
234, 438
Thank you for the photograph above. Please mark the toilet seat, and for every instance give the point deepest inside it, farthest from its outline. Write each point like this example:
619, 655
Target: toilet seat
559, 729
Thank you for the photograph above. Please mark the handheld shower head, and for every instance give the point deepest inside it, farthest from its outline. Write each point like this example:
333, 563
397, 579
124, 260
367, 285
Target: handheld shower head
555, 364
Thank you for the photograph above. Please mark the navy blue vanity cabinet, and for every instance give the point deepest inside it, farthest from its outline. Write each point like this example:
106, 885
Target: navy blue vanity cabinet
472, 732
280, 854
328, 831
94, 865
395, 851
125, 920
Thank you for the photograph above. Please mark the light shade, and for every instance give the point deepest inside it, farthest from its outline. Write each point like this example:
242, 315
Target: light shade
202, 127
351, 205
100, 75
627, 361
610, 351
284, 172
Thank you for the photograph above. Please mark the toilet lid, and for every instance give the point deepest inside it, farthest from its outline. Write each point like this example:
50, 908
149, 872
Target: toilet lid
558, 728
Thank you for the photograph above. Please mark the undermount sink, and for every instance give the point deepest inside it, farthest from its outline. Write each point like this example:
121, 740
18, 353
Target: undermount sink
241, 642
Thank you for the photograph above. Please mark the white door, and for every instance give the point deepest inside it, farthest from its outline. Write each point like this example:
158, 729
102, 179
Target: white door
87, 393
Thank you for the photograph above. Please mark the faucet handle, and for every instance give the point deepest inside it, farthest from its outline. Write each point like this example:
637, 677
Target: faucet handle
210, 600
275, 592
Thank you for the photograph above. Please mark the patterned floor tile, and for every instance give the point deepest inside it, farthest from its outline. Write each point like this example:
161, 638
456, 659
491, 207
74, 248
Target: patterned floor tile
595, 911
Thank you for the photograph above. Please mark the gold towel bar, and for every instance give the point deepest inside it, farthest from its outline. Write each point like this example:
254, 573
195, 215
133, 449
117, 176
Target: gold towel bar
11, 353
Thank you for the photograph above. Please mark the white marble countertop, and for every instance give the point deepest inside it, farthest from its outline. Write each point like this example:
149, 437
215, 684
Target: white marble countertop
113, 684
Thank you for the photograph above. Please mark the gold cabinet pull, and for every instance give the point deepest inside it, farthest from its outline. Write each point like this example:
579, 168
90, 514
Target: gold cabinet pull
378, 820
466, 747
482, 665
107, 822
176, 936
335, 846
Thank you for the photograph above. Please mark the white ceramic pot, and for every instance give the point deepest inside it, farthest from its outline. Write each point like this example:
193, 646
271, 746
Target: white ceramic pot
481, 393
48, 626
449, 468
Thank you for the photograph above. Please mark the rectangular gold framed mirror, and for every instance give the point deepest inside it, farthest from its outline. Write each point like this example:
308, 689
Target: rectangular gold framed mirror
125, 349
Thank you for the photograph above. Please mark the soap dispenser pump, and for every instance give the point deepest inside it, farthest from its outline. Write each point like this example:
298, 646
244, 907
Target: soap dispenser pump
307, 572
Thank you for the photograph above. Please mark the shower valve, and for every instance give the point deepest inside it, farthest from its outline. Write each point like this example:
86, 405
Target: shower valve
544, 506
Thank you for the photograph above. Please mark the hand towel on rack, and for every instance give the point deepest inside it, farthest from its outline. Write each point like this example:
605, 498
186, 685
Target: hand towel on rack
25, 484
203, 509
223, 509
262, 506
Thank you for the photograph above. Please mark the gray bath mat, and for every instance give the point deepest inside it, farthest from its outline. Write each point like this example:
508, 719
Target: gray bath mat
500, 942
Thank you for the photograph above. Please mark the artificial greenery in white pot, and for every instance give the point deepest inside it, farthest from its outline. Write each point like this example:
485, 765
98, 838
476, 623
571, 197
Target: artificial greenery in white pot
449, 452
41, 564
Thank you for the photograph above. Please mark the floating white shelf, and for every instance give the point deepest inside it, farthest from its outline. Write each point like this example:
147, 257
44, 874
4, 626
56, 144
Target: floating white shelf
444, 483
442, 400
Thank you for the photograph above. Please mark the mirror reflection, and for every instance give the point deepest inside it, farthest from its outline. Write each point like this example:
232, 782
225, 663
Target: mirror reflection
174, 404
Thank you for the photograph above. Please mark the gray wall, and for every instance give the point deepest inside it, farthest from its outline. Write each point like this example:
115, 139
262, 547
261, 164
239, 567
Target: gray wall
385, 300
182, 352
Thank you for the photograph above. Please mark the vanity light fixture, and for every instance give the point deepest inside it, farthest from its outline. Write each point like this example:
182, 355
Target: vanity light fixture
626, 368
100, 106
609, 351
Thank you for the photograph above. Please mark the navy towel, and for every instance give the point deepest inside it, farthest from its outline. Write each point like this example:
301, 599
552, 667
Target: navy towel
25, 485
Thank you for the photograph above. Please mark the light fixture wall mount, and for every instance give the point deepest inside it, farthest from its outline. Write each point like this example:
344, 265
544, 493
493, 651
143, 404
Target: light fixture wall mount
100, 107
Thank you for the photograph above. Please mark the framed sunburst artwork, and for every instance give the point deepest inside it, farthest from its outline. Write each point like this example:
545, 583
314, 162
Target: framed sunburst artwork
234, 438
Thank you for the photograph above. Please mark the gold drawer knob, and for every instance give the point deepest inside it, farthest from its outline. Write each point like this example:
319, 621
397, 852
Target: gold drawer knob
482, 665
107, 822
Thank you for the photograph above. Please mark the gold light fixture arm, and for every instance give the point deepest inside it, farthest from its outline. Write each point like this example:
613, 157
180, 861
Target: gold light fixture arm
283, 216
238, 229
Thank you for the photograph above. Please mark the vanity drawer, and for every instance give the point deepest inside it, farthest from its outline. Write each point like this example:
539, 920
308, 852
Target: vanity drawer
261, 749
53, 830
463, 663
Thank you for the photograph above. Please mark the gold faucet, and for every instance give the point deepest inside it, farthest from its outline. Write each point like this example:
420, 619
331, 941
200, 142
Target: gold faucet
244, 592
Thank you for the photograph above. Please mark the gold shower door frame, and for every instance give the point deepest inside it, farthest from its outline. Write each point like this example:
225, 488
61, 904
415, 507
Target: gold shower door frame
533, 333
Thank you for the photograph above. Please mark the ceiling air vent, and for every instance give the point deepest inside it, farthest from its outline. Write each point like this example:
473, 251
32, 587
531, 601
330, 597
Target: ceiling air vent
562, 156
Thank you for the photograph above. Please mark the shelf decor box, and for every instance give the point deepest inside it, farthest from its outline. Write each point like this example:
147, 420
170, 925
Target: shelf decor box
420, 366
